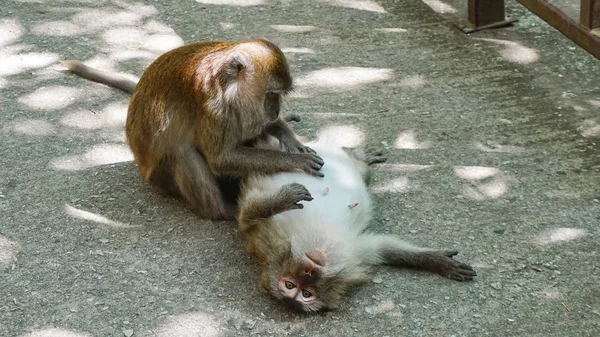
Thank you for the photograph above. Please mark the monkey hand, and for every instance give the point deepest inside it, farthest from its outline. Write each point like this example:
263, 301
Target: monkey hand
310, 163
293, 145
291, 195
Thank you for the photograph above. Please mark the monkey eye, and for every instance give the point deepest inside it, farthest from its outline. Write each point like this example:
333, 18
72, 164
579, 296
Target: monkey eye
289, 285
306, 294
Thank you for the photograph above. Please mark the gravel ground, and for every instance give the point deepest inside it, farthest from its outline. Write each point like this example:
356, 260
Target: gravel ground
492, 142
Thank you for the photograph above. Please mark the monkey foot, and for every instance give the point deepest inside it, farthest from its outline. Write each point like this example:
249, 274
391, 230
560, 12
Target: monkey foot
453, 269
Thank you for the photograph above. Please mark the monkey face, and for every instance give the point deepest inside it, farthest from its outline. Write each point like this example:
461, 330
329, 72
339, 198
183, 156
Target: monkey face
297, 282
272, 105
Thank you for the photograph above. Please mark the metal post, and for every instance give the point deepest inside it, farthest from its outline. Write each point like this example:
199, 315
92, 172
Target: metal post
485, 14
589, 14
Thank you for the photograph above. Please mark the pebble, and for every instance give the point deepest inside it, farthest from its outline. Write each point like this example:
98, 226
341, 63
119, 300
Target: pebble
511, 320
477, 316
496, 285
377, 279
128, 332
499, 231
413, 231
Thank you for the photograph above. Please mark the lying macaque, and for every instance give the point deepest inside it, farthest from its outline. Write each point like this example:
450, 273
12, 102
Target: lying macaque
308, 234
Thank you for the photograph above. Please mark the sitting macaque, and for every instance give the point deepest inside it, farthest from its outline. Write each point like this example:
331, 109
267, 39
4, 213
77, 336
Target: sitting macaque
308, 234
196, 113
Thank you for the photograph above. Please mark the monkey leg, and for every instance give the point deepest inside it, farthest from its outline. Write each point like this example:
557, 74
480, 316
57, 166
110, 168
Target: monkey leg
257, 206
198, 185
390, 250
162, 178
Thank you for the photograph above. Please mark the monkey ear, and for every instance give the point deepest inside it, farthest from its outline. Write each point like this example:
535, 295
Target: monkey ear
234, 70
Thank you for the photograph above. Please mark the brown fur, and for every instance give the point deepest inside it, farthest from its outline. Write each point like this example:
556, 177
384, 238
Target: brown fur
195, 113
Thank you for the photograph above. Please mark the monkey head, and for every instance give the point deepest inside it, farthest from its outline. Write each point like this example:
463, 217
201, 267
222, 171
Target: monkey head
307, 282
252, 78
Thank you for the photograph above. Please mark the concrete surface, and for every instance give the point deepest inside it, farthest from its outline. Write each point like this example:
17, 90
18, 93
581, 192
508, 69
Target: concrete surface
485, 134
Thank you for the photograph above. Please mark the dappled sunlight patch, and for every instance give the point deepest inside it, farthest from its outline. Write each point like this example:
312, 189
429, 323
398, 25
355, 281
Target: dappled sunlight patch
193, 324
402, 167
473, 173
549, 295
226, 25
103, 154
407, 140
396, 185
293, 29
51, 98
579, 108
55, 332
58, 28
107, 18
381, 307
162, 42
343, 78
297, 50
391, 30
594, 102
363, 5
114, 114
34, 127
439, 6
125, 55
8, 251
93, 217
562, 194
137, 38
239, 3
413, 82
497, 148
559, 235
482, 182
589, 128
130, 37
12, 63
515, 52
342, 135
11, 30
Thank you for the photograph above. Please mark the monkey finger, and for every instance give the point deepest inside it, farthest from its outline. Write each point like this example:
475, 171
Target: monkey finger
317, 159
309, 150
314, 172
298, 206
316, 166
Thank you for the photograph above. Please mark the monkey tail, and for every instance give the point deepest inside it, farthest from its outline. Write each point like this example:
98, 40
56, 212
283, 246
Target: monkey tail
112, 80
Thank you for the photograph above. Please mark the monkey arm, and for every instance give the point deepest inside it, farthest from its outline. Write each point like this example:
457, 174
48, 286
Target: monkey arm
286, 136
243, 160
254, 210
258, 206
